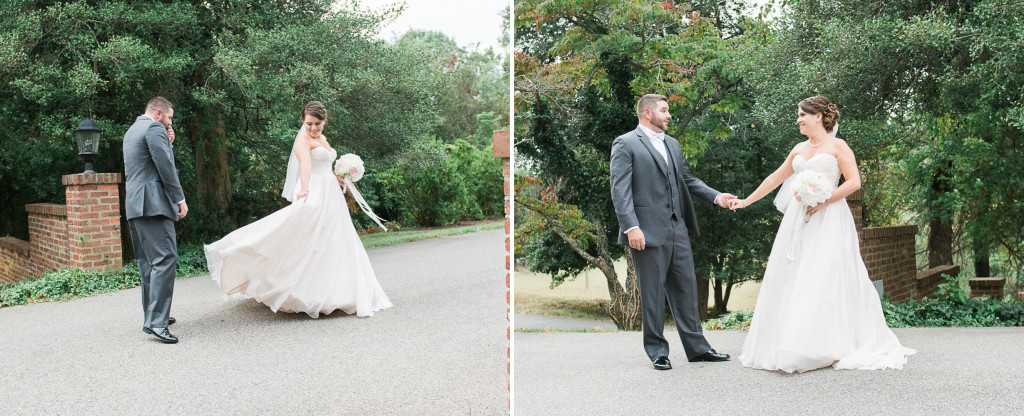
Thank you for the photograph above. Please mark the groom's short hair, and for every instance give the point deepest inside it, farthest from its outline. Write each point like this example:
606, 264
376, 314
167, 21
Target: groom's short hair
649, 101
158, 103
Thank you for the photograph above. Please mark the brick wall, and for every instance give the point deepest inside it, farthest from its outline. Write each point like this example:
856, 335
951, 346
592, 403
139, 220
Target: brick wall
987, 286
85, 233
928, 281
502, 144
15, 255
856, 203
889, 254
47, 236
94, 220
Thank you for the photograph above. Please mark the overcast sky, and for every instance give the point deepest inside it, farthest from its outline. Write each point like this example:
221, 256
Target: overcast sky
466, 21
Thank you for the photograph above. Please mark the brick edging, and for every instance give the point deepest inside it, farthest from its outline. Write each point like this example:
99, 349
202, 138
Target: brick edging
91, 179
47, 209
17, 245
893, 231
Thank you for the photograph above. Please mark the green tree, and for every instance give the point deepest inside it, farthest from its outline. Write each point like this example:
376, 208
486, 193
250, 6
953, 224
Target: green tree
581, 66
238, 74
937, 131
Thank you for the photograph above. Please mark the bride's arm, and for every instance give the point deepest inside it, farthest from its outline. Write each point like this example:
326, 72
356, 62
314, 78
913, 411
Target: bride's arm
302, 150
847, 164
768, 184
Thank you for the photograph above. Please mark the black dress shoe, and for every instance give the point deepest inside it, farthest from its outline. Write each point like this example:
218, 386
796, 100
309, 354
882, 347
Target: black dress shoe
161, 334
710, 356
662, 363
171, 321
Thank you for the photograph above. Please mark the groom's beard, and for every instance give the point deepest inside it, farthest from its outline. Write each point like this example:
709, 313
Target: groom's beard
661, 124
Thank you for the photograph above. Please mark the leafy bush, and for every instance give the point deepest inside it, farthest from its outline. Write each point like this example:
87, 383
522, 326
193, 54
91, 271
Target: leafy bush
191, 260
739, 320
427, 182
952, 307
482, 178
67, 284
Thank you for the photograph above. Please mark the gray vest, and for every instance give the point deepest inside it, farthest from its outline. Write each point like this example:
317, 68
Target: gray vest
673, 185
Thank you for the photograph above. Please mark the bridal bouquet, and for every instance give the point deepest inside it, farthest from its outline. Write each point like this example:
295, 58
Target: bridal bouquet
349, 166
810, 188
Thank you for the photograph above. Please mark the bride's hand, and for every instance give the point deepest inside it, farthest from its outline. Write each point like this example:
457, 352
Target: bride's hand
302, 195
814, 209
340, 182
737, 204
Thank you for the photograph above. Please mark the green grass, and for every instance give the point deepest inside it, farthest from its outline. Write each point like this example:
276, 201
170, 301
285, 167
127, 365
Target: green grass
568, 308
391, 238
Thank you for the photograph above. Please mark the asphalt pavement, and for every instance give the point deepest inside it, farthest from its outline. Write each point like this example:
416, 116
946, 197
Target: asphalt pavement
957, 371
441, 349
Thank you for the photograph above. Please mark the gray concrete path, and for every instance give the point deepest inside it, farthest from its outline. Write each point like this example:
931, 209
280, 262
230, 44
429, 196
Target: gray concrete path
957, 371
440, 350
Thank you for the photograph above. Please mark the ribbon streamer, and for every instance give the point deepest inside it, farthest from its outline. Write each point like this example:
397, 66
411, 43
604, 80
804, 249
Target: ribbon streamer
362, 203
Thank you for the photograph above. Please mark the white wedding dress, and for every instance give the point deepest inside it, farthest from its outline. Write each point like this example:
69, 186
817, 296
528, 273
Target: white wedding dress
817, 306
305, 257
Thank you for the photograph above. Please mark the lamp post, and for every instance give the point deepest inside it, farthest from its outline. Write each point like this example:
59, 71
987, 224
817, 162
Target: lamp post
88, 135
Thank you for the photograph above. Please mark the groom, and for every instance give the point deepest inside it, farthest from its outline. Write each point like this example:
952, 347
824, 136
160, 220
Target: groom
153, 201
651, 186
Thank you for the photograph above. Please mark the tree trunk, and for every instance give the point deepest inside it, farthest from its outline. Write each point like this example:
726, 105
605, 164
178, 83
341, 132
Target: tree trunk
624, 307
940, 234
213, 185
702, 298
940, 243
722, 297
982, 268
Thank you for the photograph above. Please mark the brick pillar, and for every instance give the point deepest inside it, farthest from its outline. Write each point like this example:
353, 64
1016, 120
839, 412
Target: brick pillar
502, 144
856, 203
94, 220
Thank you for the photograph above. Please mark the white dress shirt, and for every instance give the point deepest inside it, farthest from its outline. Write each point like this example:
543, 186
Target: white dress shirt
658, 140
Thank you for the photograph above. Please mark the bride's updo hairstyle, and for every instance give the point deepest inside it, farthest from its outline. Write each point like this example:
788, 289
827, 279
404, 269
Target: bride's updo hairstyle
821, 105
315, 109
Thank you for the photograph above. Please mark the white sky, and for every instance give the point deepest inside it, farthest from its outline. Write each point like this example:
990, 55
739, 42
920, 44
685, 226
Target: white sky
466, 21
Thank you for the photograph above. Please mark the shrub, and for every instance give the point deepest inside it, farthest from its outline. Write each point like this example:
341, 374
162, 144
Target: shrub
739, 320
428, 184
952, 307
67, 284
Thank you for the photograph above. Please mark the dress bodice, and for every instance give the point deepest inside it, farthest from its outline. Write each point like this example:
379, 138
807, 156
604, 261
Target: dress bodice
823, 163
322, 160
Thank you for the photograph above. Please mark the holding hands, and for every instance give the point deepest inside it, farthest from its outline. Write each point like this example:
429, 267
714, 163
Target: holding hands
724, 200
737, 203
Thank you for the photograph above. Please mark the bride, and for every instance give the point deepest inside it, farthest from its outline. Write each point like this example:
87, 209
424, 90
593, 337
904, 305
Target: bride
307, 256
817, 306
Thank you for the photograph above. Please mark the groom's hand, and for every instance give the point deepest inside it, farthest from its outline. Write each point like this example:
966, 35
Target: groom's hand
723, 199
182, 209
636, 239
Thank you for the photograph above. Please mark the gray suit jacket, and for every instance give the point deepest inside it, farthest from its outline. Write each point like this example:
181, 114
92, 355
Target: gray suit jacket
640, 188
151, 180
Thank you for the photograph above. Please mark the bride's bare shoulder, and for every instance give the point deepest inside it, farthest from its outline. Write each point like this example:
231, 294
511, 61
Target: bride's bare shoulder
842, 147
796, 149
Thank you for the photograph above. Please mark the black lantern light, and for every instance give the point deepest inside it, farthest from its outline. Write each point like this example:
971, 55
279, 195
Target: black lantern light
88, 135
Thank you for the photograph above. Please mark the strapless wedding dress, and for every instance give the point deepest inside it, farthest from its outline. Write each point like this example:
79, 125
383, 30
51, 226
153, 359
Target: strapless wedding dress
817, 306
306, 257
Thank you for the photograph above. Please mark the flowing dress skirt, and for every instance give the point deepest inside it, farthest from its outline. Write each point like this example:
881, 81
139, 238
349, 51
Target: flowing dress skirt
306, 257
817, 306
